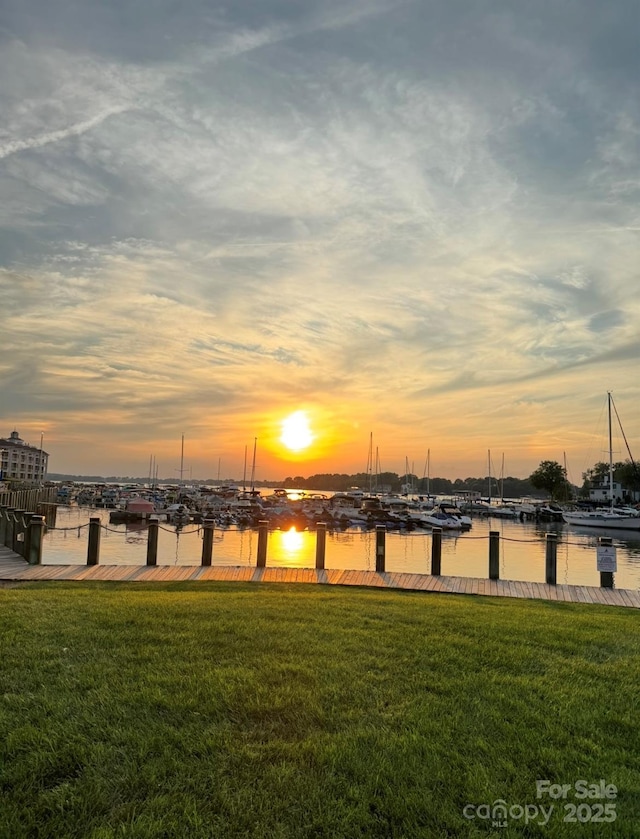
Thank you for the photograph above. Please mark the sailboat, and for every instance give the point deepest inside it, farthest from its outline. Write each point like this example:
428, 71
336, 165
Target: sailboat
607, 517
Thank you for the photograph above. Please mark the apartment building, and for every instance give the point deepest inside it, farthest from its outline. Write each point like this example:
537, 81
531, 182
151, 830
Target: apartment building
21, 461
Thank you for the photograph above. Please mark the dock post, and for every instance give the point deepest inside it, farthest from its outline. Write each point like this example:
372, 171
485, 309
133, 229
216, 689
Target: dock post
494, 555
551, 558
3, 524
8, 533
36, 533
19, 529
207, 540
606, 577
26, 547
93, 547
436, 551
263, 534
381, 533
321, 543
152, 541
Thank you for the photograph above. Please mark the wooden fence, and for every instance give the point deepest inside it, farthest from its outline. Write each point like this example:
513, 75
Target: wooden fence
22, 532
28, 499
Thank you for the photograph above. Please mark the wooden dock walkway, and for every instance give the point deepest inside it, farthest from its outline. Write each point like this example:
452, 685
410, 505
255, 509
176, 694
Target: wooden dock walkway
13, 568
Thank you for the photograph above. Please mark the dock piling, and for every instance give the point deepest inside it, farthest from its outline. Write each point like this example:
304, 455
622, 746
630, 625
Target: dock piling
381, 533
207, 540
19, 528
263, 535
551, 560
494, 555
152, 542
35, 537
606, 577
93, 547
321, 544
436, 551
10, 528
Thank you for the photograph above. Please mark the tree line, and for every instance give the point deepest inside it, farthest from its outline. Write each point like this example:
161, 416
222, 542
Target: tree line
392, 482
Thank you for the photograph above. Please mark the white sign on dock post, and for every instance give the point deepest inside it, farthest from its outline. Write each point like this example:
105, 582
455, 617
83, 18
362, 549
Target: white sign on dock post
607, 560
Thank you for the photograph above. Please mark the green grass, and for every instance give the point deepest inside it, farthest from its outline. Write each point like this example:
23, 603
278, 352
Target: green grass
232, 710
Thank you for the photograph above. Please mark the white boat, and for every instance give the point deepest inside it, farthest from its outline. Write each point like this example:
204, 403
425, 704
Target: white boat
609, 517
602, 518
438, 518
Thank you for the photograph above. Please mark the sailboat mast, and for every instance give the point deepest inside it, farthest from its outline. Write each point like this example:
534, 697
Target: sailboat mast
182, 460
610, 452
244, 474
489, 459
253, 465
428, 471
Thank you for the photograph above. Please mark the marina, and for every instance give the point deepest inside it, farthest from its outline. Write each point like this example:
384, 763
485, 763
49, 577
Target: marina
464, 553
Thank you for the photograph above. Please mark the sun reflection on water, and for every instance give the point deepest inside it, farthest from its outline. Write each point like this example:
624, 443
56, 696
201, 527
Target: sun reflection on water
292, 541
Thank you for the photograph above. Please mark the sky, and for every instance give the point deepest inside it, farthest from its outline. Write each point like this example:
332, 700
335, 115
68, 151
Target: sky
417, 223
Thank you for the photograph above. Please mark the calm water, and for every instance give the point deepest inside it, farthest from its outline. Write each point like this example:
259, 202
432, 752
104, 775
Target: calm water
522, 549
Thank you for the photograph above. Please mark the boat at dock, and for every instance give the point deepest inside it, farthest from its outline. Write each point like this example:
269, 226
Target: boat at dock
606, 517
135, 510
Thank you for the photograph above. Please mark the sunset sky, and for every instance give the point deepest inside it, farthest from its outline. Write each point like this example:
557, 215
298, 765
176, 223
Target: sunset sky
418, 221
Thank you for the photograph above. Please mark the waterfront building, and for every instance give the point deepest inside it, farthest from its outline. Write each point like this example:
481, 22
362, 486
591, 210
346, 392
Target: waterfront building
20, 461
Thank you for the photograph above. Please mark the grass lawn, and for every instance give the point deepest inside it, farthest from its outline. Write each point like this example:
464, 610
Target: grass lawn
240, 710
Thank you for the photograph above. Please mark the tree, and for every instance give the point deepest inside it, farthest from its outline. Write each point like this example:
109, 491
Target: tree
628, 474
625, 473
551, 477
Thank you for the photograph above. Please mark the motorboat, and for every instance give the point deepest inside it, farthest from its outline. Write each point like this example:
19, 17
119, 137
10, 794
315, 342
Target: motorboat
439, 518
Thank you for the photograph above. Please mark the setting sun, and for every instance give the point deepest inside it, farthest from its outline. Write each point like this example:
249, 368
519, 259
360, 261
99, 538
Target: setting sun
296, 433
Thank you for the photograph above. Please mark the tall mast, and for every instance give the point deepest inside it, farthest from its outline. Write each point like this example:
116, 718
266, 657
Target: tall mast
610, 453
253, 465
428, 470
244, 474
182, 460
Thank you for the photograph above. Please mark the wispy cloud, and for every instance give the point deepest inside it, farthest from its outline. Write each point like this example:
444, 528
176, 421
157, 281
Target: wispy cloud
417, 220
55, 136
